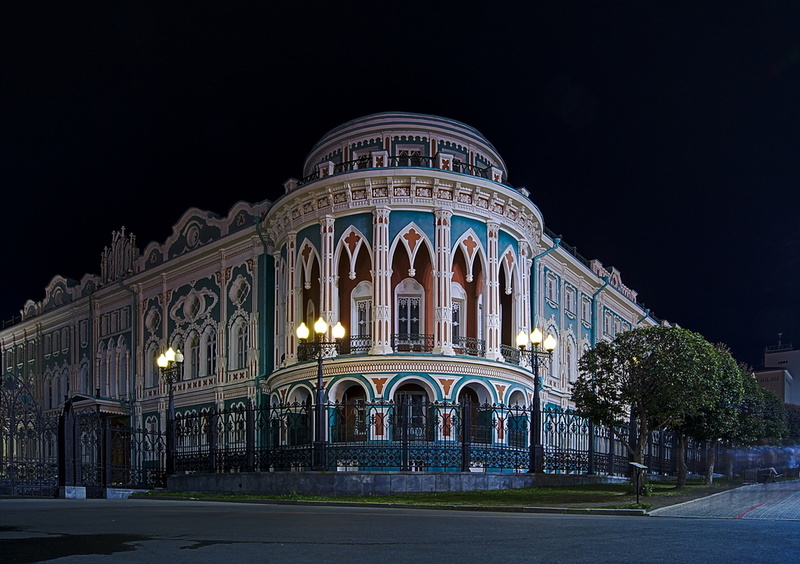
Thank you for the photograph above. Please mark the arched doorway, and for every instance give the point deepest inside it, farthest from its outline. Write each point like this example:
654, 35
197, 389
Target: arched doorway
350, 424
479, 419
413, 419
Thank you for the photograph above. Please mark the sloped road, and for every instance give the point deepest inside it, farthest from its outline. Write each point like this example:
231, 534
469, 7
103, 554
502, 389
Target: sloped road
173, 532
778, 501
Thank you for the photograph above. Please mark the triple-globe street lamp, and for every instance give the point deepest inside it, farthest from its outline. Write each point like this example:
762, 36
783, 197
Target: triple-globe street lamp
171, 365
538, 350
321, 349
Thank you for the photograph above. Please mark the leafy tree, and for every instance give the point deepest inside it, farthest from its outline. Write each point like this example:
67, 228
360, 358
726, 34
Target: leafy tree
657, 376
774, 414
719, 419
762, 415
793, 422
750, 425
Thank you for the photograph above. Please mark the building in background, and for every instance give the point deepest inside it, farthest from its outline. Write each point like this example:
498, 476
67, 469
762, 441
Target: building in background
404, 228
781, 366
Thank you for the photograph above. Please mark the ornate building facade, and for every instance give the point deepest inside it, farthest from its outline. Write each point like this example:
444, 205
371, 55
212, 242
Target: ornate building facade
404, 228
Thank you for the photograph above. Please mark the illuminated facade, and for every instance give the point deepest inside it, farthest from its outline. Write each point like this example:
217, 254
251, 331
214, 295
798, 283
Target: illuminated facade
404, 228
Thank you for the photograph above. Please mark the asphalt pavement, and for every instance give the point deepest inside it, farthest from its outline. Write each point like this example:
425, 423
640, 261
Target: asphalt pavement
146, 531
778, 501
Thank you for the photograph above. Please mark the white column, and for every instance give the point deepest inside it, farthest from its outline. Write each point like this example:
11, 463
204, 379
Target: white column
492, 302
381, 287
442, 300
293, 289
524, 290
327, 273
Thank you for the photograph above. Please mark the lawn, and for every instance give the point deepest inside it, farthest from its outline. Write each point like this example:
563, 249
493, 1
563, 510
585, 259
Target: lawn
618, 496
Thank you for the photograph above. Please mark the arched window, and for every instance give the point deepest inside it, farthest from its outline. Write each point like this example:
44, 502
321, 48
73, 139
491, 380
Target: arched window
409, 318
362, 310
239, 345
458, 315
569, 360
210, 351
150, 368
86, 384
194, 355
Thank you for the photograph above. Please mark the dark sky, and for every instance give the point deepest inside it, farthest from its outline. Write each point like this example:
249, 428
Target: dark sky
659, 137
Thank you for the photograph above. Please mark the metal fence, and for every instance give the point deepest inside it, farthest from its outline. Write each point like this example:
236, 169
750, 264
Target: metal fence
98, 452
86, 448
408, 436
28, 443
41, 452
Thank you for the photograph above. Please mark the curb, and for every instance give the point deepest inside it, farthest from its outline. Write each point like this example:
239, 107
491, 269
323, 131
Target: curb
485, 508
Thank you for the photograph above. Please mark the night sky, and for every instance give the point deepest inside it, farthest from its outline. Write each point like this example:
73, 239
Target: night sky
661, 138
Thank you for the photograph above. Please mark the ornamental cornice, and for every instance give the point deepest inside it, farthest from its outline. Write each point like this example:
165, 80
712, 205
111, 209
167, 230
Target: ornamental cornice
472, 367
362, 191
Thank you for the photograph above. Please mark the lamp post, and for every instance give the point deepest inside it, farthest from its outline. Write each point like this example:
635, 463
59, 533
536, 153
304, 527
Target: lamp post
537, 351
171, 365
320, 348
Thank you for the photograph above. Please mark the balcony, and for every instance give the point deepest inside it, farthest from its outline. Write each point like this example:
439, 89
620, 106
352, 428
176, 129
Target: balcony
415, 161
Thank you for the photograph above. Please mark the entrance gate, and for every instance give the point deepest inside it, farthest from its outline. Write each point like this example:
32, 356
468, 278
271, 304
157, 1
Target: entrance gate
28, 462
99, 453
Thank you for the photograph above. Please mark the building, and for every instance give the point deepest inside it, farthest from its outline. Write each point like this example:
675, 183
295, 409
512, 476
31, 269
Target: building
782, 364
404, 228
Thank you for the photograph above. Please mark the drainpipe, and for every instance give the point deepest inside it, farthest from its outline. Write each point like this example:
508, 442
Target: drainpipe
534, 299
594, 310
645, 316
263, 374
134, 332
90, 328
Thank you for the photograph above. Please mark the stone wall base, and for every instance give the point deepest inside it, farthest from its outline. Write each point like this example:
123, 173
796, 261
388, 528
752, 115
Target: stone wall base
331, 484
72, 492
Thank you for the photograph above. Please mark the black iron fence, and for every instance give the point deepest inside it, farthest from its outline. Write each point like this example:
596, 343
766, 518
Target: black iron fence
85, 448
409, 435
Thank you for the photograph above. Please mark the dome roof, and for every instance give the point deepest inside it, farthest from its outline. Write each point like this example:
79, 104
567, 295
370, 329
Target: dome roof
388, 127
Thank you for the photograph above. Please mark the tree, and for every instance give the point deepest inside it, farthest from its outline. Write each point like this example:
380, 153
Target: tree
656, 376
792, 422
718, 420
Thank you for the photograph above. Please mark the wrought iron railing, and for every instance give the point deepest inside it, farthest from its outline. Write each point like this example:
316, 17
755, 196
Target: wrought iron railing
469, 346
510, 354
363, 163
355, 345
388, 435
412, 342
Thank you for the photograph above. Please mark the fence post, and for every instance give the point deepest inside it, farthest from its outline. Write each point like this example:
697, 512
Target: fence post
402, 418
66, 447
212, 440
170, 466
250, 437
612, 450
590, 454
105, 454
466, 435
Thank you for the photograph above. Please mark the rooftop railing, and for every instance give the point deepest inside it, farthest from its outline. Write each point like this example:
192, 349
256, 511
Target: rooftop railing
400, 161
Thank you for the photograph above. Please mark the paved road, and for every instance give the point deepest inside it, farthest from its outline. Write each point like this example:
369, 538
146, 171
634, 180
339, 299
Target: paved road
171, 532
776, 501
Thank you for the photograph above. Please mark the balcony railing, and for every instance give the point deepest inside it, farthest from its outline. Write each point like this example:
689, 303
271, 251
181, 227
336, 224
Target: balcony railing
470, 346
412, 342
408, 342
355, 345
510, 354
400, 161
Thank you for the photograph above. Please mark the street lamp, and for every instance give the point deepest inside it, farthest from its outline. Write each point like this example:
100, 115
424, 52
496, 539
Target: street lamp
537, 351
322, 349
171, 365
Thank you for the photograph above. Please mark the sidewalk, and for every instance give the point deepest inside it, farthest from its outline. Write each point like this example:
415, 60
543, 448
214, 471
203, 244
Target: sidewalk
774, 501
